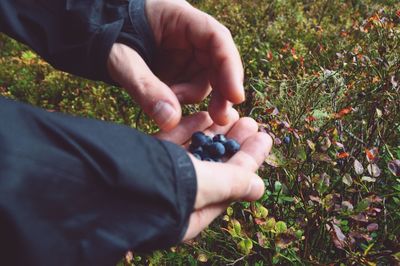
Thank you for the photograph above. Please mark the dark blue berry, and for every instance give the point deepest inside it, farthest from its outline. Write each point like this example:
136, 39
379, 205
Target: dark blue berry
199, 139
219, 138
197, 156
286, 139
208, 140
216, 150
231, 146
194, 149
208, 159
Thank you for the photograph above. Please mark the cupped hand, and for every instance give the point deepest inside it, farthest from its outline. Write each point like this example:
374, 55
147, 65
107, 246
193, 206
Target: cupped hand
219, 184
195, 54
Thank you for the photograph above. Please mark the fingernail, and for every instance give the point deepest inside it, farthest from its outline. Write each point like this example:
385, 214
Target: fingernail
242, 95
163, 112
256, 188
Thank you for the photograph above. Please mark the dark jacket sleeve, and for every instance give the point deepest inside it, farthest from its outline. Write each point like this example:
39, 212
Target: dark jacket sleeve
76, 191
76, 36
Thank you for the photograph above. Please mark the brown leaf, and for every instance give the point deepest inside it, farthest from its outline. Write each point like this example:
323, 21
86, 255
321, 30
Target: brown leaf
272, 111
322, 157
338, 237
372, 227
361, 217
285, 239
325, 144
342, 155
372, 155
358, 235
394, 167
315, 198
343, 112
261, 239
374, 199
347, 205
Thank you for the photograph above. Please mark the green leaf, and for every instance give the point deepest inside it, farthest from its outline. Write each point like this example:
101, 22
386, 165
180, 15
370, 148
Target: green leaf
362, 206
245, 246
277, 186
280, 227
275, 159
237, 227
319, 114
262, 211
301, 153
229, 211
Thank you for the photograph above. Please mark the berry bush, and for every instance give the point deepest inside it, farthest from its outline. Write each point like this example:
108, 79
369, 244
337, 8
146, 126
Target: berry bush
323, 78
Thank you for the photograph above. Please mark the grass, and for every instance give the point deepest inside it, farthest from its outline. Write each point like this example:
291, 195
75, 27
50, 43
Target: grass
323, 78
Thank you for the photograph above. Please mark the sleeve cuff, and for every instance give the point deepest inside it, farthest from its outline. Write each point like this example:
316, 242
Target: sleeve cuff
186, 184
136, 31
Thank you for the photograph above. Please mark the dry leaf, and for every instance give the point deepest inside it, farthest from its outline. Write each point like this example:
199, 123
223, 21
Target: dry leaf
347, 179
374, 170
358, 168
394, 167
368, 179
372, 227
338, 237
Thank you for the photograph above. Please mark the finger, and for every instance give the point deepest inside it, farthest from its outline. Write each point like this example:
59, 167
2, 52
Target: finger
200, 219
243, 129
219, 108
214, 129
193, 91
218, 129
226, 75
253, 152
128, 68
221, 182
183, 131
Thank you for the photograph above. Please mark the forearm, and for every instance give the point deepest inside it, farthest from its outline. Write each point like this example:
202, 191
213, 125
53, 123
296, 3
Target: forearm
75, 191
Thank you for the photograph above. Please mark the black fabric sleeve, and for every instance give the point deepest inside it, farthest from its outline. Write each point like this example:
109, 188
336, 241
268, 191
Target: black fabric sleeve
76, 36
77, 191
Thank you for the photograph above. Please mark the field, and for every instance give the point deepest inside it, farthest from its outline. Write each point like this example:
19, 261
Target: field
323, 78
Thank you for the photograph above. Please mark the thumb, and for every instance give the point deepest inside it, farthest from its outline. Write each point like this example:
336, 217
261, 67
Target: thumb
157, 100
222, 182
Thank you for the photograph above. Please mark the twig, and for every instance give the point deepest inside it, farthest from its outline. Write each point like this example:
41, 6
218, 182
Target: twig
236, 261
354, 136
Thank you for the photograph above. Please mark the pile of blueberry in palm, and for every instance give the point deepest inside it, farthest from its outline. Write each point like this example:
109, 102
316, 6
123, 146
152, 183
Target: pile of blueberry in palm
214, 149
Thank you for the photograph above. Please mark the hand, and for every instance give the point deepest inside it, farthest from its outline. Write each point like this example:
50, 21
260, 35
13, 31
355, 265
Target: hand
194, 54
219, 184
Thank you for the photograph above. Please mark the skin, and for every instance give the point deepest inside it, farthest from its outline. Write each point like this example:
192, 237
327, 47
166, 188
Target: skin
220, 184
196, 56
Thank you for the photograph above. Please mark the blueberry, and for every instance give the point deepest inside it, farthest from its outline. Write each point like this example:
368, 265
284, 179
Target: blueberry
208, 159
231, 146
216, 150
199, 139
208, 140
219, 138
197, 156
286, 139
194, 149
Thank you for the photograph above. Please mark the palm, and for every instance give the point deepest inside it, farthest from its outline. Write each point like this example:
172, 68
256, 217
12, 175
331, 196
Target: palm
221, 183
